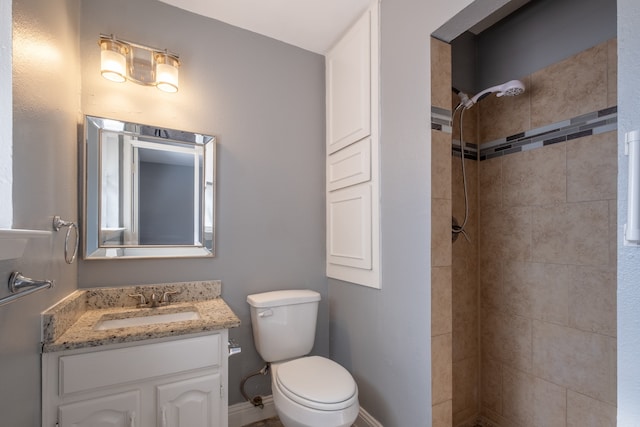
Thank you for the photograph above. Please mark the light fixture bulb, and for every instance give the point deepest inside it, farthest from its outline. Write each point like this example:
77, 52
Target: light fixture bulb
113, 64
167, 72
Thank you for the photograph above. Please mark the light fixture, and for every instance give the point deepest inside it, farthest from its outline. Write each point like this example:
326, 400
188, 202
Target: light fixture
113, 64
122, 60
167, 72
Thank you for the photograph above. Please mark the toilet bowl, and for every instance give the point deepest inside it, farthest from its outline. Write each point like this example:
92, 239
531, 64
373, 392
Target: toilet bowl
314, 392
308, 391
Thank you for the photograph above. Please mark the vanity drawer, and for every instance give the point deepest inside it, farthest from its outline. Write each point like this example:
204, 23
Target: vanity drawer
81, 372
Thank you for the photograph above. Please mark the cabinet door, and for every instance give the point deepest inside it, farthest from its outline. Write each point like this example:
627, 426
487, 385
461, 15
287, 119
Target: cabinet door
118, 410
349, 227
349, 166
194, 402
348, 73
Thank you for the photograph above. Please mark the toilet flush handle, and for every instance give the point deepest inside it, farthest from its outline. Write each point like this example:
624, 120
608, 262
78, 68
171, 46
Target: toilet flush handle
266, 313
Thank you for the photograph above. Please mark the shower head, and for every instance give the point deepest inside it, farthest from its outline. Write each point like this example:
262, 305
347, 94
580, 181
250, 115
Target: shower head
510, 88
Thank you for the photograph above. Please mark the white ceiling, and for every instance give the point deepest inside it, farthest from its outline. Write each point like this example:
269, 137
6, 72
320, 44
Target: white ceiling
309, 24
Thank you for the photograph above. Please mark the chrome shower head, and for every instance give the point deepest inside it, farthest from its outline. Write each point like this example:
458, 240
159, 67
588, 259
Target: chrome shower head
510, 88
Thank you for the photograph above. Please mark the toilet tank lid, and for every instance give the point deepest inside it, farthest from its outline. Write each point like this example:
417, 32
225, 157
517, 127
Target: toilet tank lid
287, 297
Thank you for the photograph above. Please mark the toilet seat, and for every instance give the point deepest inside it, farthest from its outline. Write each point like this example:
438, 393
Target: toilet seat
316, 382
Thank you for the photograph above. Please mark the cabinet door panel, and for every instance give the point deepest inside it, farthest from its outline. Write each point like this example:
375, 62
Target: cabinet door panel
118, 410
349, 166
349, 226
349, 87
190, 403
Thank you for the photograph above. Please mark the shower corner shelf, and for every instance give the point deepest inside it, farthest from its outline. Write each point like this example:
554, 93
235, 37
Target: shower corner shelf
13, 241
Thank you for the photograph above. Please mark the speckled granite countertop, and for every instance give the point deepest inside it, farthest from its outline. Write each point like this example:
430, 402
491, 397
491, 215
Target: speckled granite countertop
71, 323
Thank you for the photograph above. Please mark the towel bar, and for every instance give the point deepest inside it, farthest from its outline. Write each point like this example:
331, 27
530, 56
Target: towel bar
21, 286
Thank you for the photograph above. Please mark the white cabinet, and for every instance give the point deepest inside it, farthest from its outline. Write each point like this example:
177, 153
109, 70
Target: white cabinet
158, 383
118, 410
353, 153
348, 70
190, 403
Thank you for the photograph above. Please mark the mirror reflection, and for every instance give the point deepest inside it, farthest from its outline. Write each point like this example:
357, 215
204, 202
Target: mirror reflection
149, 191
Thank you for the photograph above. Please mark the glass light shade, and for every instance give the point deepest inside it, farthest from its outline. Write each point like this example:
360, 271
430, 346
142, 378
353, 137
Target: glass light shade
113, 64
167, 73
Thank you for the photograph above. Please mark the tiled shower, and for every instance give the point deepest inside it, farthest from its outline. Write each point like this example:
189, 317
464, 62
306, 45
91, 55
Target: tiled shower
524, 312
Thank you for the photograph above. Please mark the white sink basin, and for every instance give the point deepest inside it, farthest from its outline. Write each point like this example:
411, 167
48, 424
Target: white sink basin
153, 319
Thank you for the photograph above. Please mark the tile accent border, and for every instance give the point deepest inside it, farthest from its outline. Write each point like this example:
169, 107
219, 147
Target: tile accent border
601, 121
441, 120
585, 125
470, 150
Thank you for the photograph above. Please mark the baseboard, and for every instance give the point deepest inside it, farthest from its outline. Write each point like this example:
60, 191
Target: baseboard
245, 413
366, 420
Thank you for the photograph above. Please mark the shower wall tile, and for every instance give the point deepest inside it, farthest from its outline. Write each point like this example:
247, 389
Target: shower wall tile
533, 402
506, 234
471, 169
440, 232
440, 74
497, 419
592, 299
470, 119
465, 286
581, 361
465, 332
491, 284
465, 389
507, 338
440, 165
491, 385
441, 314
535, 177
555, 94
441, 300
613, 234
442, 365
500, 117
572, 233
536, 291
490, 181
592, 164
583, 411
612, 72
547, 246
442, 415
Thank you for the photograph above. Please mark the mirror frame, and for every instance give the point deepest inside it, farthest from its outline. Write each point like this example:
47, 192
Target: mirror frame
92, 176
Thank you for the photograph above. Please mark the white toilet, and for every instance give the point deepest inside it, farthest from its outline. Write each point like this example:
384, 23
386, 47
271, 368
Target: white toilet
307, 391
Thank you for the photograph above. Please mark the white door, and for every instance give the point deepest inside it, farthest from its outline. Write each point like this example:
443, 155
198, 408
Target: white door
190, 403
118, 410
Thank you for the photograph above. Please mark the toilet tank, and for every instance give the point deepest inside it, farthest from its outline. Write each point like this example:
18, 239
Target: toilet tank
284, 323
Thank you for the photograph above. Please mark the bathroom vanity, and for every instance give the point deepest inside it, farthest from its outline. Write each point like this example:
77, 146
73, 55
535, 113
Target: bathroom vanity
112, 365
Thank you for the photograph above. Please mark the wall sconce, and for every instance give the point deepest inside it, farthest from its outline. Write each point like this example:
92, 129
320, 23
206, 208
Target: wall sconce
121, 60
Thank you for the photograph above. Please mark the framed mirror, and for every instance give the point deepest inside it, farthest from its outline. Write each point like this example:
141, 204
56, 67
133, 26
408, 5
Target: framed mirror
149, 192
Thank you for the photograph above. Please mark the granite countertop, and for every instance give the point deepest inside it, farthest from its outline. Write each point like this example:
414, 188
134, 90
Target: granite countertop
71, 323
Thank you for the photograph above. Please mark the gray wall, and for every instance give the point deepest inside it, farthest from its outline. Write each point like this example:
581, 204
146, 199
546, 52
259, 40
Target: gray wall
264, 101
628, 257
541, 33
46, 103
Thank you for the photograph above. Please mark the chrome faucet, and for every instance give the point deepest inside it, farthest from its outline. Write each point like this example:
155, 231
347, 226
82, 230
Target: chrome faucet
155, 300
